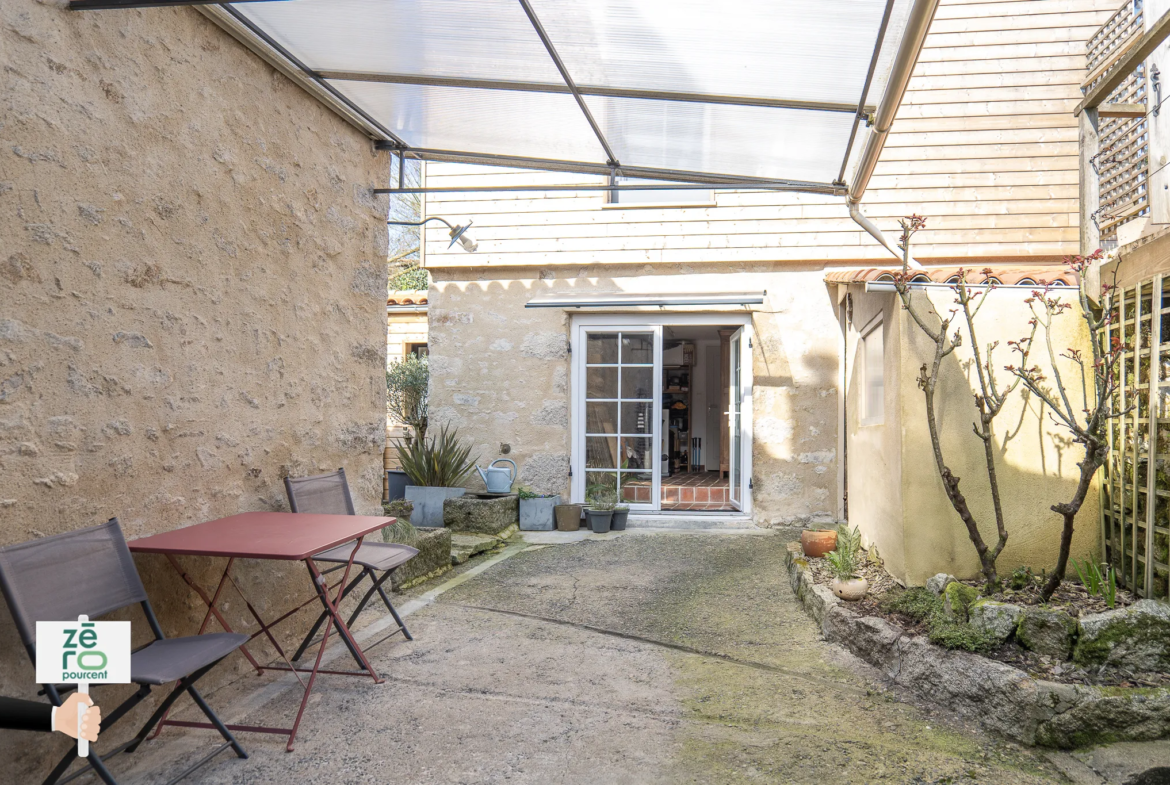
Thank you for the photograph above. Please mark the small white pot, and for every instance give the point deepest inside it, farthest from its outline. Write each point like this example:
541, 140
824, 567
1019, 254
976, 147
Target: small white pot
851, 590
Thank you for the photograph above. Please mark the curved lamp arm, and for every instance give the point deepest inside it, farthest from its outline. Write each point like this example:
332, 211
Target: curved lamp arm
458, 233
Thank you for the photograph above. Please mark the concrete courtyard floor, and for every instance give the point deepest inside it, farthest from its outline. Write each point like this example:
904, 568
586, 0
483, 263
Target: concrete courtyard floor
640, 658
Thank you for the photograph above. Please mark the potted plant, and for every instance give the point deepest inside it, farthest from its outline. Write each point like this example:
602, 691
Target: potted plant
599, 512
621, 513
437, 468
844, 562
568, 517
536, 510
815, 543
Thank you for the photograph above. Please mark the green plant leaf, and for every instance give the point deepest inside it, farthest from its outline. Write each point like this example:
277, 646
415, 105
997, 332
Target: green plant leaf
443, 461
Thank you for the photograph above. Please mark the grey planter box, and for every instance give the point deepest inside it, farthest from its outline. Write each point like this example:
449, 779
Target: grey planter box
397, 482
428, 504
536, 515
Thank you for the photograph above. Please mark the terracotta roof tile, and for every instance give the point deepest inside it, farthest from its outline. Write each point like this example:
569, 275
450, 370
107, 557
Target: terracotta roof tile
407, 298
1006, 275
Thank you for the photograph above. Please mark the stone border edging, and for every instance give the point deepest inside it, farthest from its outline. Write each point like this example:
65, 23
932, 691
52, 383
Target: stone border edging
1002, 698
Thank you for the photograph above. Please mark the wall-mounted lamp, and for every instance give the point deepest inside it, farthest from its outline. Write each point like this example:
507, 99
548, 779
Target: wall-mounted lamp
458, 233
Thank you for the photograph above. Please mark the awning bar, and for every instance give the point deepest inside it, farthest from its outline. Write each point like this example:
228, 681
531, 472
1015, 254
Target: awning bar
105, 5
580, 167
643, 300
862, 109
611, 159
607, 92
474, 189
890, 286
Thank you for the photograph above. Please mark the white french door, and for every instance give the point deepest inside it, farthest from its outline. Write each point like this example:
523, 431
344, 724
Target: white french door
616, 389
621, 370
735, 421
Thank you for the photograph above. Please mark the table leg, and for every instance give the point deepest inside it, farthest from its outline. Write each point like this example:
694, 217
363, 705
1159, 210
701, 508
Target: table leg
211, 603
320, 584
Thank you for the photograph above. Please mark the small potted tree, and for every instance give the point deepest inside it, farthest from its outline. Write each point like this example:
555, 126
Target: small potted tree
599, 512
437, 468
844, 562
536, 510
407, 382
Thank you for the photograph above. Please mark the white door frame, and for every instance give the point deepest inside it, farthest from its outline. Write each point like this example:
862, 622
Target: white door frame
633, 321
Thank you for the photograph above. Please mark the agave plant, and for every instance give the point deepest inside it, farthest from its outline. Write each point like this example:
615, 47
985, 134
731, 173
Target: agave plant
442, 461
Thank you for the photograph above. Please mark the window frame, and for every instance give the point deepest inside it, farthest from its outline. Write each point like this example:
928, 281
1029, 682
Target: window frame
612, 202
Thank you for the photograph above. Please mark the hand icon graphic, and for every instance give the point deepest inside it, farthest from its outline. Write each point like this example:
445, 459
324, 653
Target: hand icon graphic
65, 718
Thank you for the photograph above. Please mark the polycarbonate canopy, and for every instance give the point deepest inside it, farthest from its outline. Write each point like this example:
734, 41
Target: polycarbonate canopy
765, 90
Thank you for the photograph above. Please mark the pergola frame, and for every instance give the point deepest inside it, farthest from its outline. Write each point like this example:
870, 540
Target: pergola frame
386, 139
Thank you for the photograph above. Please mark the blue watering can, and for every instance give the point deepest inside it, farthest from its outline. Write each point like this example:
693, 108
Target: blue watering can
498, 480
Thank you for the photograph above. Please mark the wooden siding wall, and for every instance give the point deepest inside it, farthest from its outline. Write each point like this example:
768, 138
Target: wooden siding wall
985, 146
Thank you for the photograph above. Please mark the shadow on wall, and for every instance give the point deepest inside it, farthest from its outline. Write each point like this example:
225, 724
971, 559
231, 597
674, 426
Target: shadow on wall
1035, 461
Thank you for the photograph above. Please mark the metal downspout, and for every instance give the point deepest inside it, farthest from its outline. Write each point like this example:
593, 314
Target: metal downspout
917, 26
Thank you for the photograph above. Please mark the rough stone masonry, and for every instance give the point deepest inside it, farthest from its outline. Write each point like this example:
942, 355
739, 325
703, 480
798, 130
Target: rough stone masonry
192, 298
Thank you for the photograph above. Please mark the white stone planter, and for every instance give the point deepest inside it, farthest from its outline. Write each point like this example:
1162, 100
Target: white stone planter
428, 504
536, 515
851, 590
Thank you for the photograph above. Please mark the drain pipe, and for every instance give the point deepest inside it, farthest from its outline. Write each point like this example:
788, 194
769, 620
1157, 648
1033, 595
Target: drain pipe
917, 26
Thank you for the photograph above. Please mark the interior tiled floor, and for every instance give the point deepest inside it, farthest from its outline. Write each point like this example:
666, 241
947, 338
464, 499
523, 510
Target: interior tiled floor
692, 491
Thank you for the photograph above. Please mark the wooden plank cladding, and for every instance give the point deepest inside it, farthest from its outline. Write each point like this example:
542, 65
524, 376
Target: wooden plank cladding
985, 145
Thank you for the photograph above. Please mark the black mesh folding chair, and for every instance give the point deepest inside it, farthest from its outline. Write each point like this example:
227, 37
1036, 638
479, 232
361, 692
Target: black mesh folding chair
328, 494
90, 571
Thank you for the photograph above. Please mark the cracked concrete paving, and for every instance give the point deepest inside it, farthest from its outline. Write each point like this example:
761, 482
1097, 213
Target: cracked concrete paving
673, 658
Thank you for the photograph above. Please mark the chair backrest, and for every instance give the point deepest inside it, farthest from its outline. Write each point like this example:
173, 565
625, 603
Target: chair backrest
58, 578
322, 493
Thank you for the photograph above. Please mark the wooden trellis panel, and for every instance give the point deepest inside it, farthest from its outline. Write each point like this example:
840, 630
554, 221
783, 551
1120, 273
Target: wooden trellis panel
1123, 163
1135, 509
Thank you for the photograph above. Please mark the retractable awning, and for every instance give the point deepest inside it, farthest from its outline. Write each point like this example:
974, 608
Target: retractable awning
738, 91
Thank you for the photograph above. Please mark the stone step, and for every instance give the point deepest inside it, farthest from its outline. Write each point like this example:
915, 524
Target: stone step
691, 522
464, 546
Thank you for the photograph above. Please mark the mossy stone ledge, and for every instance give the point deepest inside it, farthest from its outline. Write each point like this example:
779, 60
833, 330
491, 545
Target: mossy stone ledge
1136, 638
1002, 698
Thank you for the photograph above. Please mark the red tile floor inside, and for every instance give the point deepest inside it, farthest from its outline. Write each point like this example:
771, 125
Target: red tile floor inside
698, 491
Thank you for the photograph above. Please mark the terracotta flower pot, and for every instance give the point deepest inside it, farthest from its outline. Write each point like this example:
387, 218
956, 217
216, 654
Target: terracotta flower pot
816, 544
851, 590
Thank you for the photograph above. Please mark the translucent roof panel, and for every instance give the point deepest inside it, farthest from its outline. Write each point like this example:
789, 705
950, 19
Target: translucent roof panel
800, 50
677, 89
498, 122
487, 39
749, 141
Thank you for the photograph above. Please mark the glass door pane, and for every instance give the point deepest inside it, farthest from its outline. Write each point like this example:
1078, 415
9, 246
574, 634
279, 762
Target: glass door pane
621, 431
735, 415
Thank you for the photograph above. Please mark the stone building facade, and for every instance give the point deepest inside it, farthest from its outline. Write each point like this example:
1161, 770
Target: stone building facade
192, 294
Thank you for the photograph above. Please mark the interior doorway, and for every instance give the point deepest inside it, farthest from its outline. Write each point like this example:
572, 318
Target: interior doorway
661, 411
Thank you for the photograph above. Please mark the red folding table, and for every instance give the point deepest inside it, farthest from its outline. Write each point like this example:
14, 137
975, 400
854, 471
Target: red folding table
280, 536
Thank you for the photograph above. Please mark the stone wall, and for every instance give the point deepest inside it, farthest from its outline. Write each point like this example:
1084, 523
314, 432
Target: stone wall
501, 372
193, 293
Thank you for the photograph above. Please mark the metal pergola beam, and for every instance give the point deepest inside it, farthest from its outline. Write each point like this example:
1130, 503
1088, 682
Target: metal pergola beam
578, 167
862, 109
779, 185
556, 58
104, 5
291, 58
607, 92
